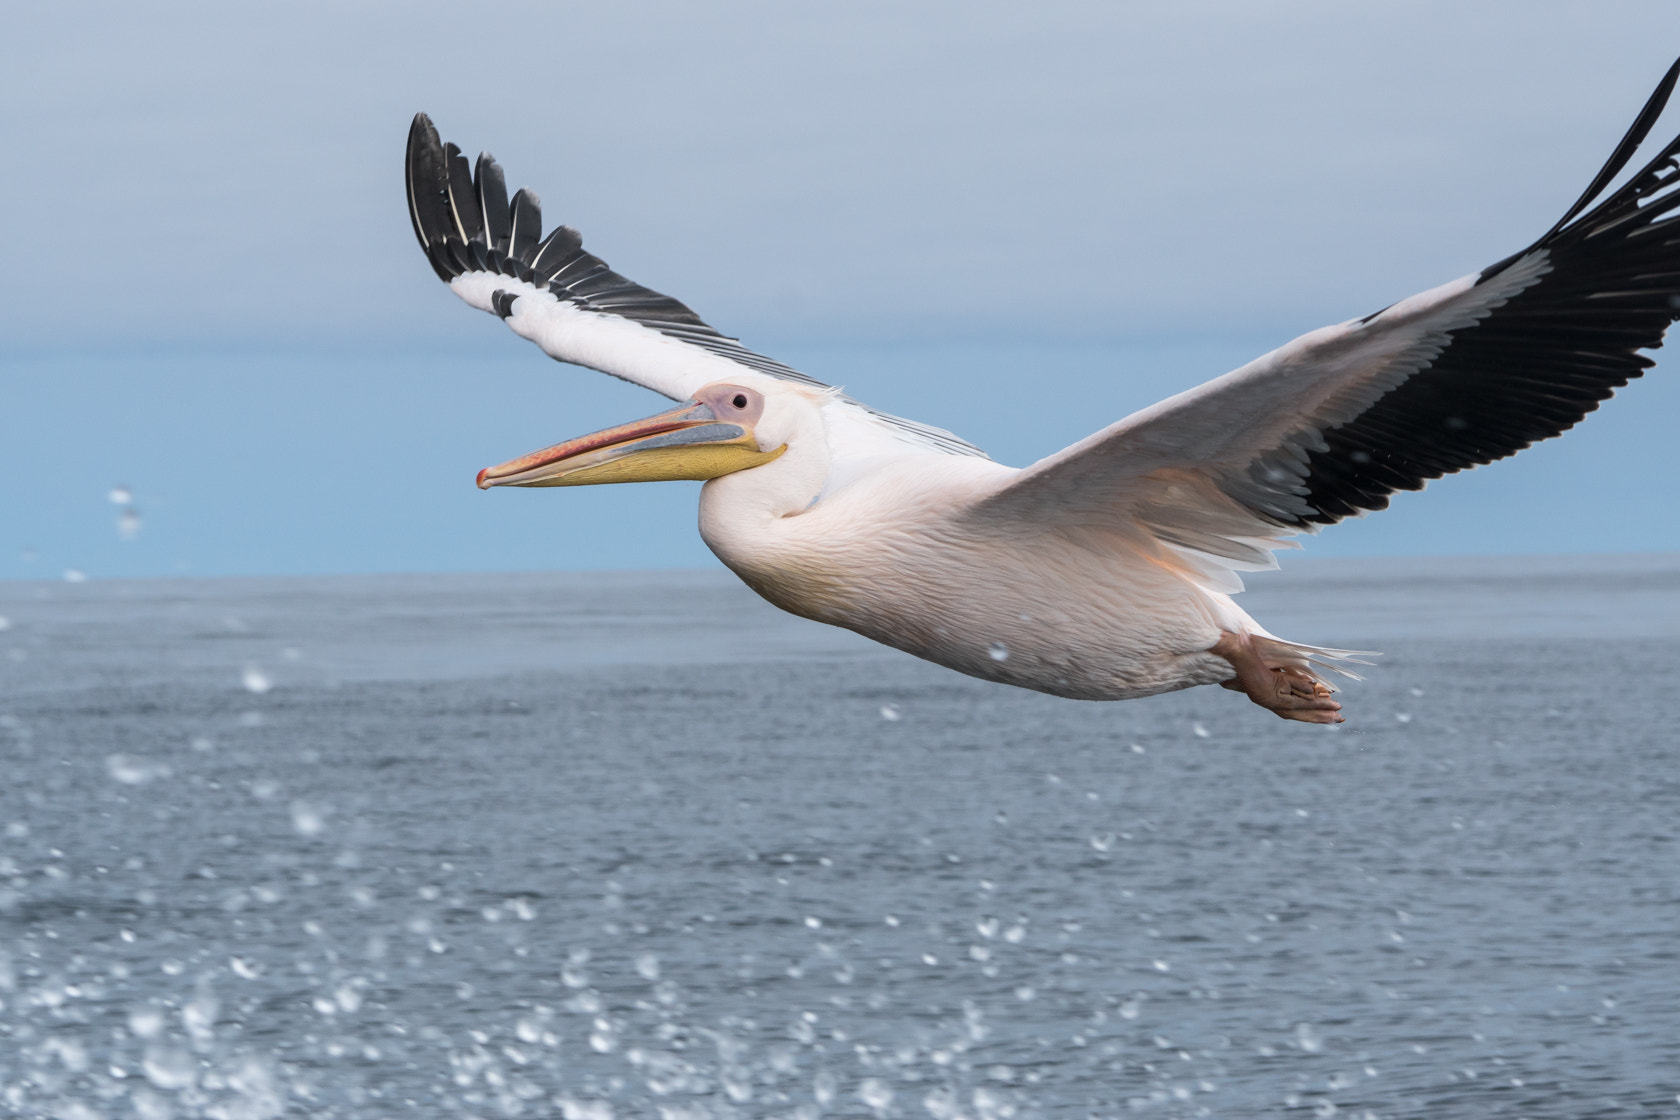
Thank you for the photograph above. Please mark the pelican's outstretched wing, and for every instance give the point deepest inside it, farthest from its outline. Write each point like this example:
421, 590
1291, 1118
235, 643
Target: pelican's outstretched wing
1333, 423
492, 254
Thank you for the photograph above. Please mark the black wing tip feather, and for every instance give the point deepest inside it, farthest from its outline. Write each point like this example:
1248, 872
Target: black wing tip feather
465, 222
1540, 363
1634, 137
427, 204
1648, 179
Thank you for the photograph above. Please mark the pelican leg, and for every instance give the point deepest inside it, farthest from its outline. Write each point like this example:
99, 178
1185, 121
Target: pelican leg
1289, 692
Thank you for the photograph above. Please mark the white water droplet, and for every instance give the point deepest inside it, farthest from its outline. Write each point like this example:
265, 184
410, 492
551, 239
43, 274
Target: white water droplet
348, 997
737, 1083
875, 1093
145, 1021
647, 966
72, 1055
74, 575
255, 680
128, 524
585, 1110
998, 651
132, 770
942, 1105
1402, 717
1308, 1038
198, 1015
169, 1068
1102, 841
119, 495
307, 819
1200, 730
889, 712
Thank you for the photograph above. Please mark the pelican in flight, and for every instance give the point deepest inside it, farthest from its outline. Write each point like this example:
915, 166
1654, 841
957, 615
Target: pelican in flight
1105, 571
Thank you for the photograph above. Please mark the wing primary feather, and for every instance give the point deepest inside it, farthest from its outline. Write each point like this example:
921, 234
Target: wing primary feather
463, 199
524, 226
556, 249
428, 192
1624, 152
491, 189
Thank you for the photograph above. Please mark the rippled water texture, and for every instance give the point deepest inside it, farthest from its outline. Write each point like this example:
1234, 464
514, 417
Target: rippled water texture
637, 846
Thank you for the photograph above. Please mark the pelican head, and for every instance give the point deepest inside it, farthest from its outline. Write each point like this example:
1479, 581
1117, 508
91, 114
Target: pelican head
726, 427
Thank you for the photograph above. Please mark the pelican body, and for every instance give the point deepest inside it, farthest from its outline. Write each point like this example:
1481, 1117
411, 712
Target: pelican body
1105, 571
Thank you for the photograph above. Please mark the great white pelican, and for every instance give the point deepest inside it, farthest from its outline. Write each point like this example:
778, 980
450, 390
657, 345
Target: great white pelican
1107, 570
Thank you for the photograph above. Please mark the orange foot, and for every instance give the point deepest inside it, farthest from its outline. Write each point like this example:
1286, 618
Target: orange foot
1290, 692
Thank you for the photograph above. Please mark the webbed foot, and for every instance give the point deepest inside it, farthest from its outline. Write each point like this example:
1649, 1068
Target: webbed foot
1286, 690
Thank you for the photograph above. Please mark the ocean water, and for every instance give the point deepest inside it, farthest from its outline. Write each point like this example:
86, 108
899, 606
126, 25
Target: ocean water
591, 846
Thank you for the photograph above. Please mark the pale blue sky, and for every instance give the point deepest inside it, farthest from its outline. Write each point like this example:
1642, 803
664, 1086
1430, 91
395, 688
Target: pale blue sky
214, 297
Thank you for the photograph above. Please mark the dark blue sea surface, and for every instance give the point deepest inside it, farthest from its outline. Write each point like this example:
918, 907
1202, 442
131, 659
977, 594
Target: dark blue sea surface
637, 845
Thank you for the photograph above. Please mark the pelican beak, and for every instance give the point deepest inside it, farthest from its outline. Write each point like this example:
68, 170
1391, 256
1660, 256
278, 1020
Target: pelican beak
688, 442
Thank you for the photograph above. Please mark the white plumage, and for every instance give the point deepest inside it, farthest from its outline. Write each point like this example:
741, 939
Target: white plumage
1106, 570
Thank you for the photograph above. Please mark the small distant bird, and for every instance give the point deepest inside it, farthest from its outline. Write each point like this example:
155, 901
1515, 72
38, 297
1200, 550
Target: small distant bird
1105, 571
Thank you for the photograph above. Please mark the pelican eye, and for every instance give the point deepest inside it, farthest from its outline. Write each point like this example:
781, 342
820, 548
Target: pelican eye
740, 400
